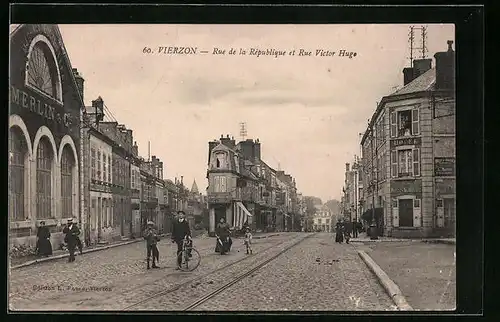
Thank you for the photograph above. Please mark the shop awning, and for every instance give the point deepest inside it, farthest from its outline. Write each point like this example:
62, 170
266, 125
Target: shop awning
240, 215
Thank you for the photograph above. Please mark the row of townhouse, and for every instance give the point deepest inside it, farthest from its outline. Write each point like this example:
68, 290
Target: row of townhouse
243, 188
407, 172
65, 161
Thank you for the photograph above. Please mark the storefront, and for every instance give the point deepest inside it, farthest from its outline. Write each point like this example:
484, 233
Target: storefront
44, 134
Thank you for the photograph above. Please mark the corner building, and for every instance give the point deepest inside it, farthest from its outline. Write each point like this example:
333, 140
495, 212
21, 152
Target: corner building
45, 107
409, 152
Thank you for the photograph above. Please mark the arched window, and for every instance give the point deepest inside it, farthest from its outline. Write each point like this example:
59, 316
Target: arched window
40, 70
67, 165
44, 158
17, 154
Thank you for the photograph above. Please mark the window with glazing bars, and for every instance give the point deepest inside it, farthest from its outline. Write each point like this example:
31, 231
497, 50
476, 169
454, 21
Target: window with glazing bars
67, 164
43, 179
17, 152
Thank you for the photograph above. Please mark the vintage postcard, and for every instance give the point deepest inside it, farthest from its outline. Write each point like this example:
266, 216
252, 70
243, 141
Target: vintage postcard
242, 167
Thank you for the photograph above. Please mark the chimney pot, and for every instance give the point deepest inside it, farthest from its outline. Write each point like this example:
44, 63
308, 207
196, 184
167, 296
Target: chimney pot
227, 136
450, 44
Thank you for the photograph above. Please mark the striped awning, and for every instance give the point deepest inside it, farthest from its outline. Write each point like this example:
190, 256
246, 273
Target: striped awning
240, 214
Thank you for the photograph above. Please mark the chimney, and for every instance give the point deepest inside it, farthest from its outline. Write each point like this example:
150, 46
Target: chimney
420, 66
408, 73
256, 150
135, 149
228, 142
347, 167
79, 81
98, 105
445, 68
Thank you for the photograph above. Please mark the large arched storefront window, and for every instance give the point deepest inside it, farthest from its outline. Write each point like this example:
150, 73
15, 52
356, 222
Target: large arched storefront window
44, 159
17, 154
67, 165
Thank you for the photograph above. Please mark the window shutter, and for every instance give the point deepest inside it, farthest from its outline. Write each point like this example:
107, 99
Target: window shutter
416, 162
394, 163
395, 214
440, 213
417, 213
223, 184
394, 126
415, 118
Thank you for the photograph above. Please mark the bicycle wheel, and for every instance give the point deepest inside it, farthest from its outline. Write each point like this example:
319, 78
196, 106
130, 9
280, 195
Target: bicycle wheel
189, 263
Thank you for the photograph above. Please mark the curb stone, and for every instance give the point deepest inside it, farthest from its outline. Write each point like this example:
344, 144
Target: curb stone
85, 251
440, 241
390, 287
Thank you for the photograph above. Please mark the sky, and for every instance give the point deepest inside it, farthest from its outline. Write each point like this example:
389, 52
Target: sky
307, 111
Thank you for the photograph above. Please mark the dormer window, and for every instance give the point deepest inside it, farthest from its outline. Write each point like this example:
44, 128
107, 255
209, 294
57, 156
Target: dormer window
220, 161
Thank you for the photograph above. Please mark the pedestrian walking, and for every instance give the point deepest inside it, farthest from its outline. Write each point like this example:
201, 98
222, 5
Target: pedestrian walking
180, 232
223, 237
43, 244
248, 240
71, 239
355, 229
151, 237
339, 232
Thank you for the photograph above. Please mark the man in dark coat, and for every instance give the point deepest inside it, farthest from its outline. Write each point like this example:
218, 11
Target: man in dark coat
72, 231
339, 232
222, 233
43, 244
151, 238
180, 231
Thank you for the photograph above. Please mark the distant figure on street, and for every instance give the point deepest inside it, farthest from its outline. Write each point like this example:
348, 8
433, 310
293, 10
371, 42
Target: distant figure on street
43, 244
248, 240
151, 237
181, 231
71, 239
339, 232
223, 237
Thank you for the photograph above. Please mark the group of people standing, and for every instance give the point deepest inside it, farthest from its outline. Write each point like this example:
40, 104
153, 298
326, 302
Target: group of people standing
180, 233
344, 231
224, 241
71, 238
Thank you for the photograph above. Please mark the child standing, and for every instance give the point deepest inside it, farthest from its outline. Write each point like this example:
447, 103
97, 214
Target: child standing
248, 241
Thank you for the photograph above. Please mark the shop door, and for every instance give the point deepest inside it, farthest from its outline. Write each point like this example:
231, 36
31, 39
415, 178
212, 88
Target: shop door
406, 212
220, 212
449, 214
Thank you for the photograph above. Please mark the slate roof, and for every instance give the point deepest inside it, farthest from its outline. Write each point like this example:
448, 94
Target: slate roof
424, 82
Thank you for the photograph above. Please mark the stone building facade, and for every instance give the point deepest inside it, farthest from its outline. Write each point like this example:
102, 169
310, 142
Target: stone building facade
409, 152
45, 110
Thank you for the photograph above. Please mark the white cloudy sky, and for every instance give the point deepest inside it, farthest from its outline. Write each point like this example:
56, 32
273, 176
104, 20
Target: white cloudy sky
306, 111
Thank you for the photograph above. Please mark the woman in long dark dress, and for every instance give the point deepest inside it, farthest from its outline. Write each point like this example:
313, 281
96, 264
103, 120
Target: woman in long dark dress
339, 233
44, 246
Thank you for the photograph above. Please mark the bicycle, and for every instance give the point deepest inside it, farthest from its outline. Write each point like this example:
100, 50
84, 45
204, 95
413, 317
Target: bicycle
189, 257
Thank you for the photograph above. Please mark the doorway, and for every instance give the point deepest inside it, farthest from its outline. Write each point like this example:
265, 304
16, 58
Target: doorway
220, 212
449, 214
406, 212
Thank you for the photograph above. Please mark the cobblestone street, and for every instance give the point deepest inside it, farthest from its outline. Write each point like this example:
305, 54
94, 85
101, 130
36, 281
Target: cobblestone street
119, 274
317, 274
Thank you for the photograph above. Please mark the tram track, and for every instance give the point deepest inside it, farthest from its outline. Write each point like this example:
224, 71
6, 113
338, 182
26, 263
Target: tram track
155, 300
181, 285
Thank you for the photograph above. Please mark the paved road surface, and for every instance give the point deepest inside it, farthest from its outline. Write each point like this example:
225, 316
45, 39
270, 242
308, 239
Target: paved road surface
112, 278
317, 274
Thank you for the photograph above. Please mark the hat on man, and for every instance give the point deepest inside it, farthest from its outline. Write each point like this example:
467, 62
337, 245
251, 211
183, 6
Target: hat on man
180, 212
150, 223
70, 220
42, 222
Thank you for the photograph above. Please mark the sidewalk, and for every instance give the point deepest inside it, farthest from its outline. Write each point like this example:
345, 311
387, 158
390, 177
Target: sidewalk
425, 273
363, 238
